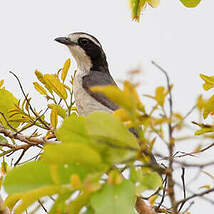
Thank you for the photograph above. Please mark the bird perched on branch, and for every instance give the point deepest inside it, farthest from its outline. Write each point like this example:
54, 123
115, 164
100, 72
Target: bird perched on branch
92, 71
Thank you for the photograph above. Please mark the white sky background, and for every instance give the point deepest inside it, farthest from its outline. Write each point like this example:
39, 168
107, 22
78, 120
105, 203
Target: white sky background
179, 39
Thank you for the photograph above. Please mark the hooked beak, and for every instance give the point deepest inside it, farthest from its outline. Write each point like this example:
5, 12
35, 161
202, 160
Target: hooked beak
65, 41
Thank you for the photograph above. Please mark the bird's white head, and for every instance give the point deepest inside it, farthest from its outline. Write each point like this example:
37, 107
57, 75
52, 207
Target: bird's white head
86, 50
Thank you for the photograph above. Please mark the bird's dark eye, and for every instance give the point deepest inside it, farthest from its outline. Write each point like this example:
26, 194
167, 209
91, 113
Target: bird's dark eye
83, 41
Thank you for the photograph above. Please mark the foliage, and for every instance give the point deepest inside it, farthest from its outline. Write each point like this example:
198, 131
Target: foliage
137, 6
206, 106
81, 153
92, 164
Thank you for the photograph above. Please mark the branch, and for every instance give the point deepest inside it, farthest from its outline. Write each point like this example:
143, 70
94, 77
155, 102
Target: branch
33, 141
171, 182
194, 196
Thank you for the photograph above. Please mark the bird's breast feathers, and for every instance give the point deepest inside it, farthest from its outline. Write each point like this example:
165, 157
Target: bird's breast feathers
85, 103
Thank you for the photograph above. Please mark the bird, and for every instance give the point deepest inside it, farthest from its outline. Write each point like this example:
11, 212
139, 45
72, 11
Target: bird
92, 71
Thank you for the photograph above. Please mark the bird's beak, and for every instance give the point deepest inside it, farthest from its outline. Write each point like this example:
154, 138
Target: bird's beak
65, 41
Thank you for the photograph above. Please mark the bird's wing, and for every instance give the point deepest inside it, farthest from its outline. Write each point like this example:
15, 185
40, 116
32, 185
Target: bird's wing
96, 78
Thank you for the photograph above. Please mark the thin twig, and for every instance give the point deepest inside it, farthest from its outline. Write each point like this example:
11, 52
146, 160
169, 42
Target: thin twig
8, 122
42, 206
34, 122
195, 195
196, 152
185, 117
188, 208
20, 157
171, 191
163, 196
27, 100
184, 188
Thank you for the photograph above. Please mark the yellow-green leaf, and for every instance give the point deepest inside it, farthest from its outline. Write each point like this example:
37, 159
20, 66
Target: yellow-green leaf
190, 3
7, 102
1, 83
54, 118
160, 95
208, 107
108, 128
209, 81
65, 69
60, 111
204, 130
40, 76
130, 89
116, 95
72, 153
55, 84
200, 103
28, 198
39, 88
11, 200
153, 3
136, 7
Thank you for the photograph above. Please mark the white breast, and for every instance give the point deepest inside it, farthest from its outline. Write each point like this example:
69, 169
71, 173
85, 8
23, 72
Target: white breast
84, 102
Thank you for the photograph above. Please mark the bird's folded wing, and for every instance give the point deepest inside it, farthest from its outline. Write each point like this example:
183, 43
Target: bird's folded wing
98, 78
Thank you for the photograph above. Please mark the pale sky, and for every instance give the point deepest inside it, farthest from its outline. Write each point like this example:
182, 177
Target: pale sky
178, 38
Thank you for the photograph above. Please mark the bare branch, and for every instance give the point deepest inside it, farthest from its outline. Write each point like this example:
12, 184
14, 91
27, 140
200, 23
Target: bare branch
195, 195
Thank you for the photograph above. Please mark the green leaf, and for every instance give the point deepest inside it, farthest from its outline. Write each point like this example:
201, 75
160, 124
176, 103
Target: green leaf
72, 153
144, 181
65, 69
19, 180
66, 170
190, 3
105, 126
115, 199
60, 205
30, 197
73, 130
3, 140
7, 102
89, 211
27, 177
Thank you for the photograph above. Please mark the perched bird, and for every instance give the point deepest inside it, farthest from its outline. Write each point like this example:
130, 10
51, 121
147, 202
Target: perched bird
92, 71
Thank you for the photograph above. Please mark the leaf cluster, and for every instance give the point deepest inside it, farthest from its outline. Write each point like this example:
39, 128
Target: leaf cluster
138, 6
94, 164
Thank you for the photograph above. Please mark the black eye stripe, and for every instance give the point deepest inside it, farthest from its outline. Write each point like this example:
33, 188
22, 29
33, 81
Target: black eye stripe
83, 41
